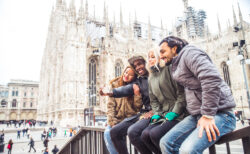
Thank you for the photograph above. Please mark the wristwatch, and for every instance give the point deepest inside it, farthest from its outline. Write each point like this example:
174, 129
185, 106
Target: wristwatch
208, 116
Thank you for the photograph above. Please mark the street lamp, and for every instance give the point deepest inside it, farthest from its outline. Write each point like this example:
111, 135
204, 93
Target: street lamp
244, 60
243, 57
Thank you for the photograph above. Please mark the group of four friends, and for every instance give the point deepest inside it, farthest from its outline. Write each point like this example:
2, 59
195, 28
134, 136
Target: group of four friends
176, 102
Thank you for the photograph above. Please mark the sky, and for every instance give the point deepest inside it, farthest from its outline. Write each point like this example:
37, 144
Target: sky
24, 25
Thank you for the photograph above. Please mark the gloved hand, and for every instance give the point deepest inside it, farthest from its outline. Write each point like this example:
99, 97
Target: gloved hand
155, 118
171, 116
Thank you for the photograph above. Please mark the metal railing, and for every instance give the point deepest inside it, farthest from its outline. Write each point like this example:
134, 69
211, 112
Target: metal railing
243, 134
90, 140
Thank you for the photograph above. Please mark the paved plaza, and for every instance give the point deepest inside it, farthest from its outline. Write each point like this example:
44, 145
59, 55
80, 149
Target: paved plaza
20, 146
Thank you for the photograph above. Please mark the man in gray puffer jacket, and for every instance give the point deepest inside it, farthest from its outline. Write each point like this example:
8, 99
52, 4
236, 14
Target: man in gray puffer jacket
209, 99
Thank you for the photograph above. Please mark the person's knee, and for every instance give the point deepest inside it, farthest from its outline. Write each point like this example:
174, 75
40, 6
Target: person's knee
189, 147
114, 133
165, 143
145, 136
132, 134
106, 133
154, 136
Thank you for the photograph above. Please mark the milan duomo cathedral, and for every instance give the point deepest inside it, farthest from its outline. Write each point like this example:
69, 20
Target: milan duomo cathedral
83, 53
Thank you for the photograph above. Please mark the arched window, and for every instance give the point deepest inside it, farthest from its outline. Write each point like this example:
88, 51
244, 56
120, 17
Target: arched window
226, 73
92, 83
118, 69
3, 103
14, 103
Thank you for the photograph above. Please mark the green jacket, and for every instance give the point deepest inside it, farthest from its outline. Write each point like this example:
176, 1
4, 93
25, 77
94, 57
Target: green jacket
165, 94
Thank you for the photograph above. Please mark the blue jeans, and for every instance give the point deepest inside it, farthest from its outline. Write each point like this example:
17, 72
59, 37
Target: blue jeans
108, 141
184, 137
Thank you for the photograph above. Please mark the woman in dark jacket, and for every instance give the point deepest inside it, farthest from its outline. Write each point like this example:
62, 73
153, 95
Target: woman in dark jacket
209, 99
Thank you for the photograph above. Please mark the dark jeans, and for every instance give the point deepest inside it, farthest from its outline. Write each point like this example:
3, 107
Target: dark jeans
152, 134
32, 148
118, 134
134, 134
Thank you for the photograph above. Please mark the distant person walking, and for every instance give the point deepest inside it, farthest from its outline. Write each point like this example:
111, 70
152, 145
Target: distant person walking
70, 132
9, 146
32, 144
18, 133
55, 150
46, 151
65, 133
45, 142
28, 133
23, 131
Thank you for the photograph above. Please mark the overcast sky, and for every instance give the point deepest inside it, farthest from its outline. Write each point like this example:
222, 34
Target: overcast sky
24, 25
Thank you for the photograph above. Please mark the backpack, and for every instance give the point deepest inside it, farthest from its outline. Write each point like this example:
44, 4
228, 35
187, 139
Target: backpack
8, 147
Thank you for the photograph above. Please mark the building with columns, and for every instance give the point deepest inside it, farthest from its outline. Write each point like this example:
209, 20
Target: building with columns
19, 101
83, 53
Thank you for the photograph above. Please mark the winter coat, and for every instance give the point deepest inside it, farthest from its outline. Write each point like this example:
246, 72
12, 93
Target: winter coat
31, 143
165, 94
206, 92
55, 150
121, 108
125, 91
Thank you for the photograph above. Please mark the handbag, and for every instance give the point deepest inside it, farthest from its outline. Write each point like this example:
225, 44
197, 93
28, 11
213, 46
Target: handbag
8, 147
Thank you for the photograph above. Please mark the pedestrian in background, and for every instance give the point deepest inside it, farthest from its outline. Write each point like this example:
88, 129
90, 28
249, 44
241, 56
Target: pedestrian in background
65, 133
46, 151
70, 131
45, 142
55, 150
18, 133
9, 146
28, 133
23, 131
32, 144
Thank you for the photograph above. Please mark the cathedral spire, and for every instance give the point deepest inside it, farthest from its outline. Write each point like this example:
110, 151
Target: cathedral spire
130, 27
149, 29
51, 19
81, 10
240, 15
185, 2
104, 11
162, 30
114, 28
86, 9
107, 23
58, 3
121, 20
94, 13
161, 24
219, 27
81, 3
72, 3
234, 16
